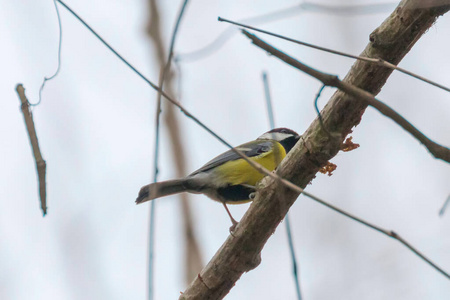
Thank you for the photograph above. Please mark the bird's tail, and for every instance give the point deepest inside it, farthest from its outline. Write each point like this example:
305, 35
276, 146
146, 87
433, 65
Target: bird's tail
161, 189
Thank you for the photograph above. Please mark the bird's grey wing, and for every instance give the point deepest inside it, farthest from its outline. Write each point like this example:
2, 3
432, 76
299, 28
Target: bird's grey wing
250, 149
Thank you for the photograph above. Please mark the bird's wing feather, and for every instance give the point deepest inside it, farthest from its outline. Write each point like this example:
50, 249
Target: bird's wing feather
250, 149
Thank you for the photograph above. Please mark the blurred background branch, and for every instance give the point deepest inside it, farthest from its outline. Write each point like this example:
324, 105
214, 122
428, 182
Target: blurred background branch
192, 255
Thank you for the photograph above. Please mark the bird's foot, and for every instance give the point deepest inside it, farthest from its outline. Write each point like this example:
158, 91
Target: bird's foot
233, 227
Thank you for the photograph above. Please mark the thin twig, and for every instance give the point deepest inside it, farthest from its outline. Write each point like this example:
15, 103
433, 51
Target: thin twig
287, 222
282, 14
223, 37
378, 61
40, 162
316, 107
268, 100
154, 32
444, 207
166, 68
59, 58
435, 149
151, 225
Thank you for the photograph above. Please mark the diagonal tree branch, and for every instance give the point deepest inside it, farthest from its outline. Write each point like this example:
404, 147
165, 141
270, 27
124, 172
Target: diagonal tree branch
240, 253
435, 149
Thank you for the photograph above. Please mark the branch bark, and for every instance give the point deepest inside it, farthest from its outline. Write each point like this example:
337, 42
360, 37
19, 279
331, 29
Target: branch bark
40, 162
240, 253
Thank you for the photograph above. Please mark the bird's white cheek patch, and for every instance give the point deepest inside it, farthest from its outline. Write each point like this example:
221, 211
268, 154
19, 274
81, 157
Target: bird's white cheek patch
277, 136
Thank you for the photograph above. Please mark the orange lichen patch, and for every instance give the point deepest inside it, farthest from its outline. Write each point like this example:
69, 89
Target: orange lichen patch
348, 145
328, 169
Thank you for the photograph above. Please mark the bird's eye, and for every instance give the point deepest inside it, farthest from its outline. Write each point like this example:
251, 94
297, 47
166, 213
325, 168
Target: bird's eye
283, 131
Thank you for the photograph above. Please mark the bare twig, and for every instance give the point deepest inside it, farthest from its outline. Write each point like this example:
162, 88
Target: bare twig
268, 100
444, 207
380, 62
241, 252
40, 162
154, 32
158, 39
59, 58
222, 38
283, 14
316, 107
435, 149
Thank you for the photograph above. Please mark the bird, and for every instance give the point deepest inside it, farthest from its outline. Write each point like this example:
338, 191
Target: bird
228, 178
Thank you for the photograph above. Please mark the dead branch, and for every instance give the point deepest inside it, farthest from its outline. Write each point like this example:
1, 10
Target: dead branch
40, 162
435, 149
241, 252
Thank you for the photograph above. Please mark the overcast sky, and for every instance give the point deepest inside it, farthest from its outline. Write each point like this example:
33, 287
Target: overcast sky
96, 131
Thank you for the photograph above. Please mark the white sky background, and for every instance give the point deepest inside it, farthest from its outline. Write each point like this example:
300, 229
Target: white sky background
96, 130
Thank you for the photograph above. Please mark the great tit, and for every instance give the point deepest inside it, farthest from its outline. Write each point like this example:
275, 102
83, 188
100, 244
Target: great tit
228, 178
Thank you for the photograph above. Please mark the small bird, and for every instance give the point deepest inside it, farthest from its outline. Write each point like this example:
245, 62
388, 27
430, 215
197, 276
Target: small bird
228, 178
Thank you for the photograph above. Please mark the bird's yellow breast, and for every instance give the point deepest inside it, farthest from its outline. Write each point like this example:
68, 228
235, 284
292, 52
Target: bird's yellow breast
241, 172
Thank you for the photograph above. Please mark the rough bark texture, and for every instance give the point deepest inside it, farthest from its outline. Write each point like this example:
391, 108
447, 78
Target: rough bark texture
241, 252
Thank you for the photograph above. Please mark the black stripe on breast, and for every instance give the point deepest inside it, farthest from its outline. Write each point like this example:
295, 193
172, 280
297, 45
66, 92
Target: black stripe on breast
235, 193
